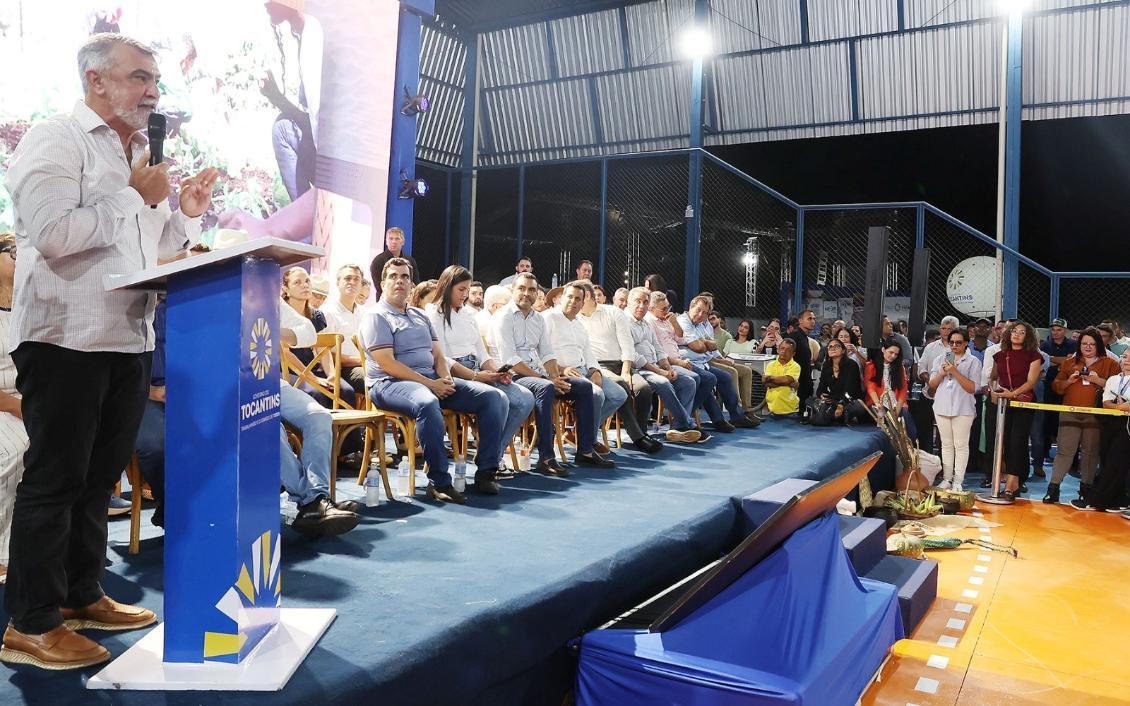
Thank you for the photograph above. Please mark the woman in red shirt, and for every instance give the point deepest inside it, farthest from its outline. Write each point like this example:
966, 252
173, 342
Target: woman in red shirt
1016, 370
886, 383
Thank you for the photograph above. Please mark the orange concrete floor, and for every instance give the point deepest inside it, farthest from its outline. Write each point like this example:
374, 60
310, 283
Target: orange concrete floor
1051, 627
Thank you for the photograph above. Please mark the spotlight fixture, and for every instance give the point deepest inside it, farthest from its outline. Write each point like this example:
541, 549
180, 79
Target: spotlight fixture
413, 105
696, 43
412, 187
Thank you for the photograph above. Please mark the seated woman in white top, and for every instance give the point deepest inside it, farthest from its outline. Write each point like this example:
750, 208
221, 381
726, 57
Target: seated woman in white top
13, 436
461, 343
743, 342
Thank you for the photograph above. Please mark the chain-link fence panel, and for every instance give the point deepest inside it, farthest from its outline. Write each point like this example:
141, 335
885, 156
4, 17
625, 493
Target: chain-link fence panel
646, 222
430, 226
747, 246
962, 272
835, 261
1033, 295
1088, 301
496, 224
562, 219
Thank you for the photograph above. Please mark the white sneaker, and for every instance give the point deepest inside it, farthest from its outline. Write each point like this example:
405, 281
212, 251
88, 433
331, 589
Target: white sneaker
956, 487
944, 485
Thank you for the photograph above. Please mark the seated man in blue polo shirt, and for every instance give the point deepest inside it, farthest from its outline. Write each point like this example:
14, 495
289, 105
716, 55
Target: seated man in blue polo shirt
409, 375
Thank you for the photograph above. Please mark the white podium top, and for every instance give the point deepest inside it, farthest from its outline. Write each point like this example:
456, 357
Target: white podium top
154, 279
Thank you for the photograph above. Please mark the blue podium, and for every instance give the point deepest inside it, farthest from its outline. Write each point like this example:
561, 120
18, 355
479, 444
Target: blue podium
224, 626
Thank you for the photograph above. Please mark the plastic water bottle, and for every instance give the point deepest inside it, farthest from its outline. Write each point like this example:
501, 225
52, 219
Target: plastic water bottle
459, 476
287, 508
402, 476
524, 457
373, 485
553, 284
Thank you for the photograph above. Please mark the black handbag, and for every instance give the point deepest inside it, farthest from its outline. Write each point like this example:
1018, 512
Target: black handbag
822, 413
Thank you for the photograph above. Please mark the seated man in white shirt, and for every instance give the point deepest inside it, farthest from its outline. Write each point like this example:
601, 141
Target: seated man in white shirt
307, 479
676, 390
344, 315
518, 334
611, 339
699, 348
571, 346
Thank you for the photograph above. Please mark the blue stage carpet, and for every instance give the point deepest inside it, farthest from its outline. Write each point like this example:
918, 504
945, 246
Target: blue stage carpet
474, 604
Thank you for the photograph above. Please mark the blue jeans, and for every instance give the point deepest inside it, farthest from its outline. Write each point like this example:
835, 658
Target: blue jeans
673, 394
728, 389
607, 397
520, 402
417, 401
150, 449
704, 398
308, 478
544, 394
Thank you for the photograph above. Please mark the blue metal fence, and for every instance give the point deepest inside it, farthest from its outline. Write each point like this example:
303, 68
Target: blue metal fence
761, 253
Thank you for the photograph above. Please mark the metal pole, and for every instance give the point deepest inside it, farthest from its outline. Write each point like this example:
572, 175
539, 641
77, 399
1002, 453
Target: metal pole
1001, 141
995, 498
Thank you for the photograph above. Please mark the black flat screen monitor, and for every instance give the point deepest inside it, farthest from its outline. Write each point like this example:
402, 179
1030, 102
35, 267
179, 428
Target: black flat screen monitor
794, 514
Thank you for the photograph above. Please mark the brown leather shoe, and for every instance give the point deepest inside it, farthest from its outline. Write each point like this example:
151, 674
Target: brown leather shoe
601, 448
108, 614
57, 649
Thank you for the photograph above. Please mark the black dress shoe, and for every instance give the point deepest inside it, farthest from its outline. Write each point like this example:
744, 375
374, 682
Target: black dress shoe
592, 458
485, 483
647, 444
320, 517
741, 422
446, 495
723, 426
1052, 496
550, 467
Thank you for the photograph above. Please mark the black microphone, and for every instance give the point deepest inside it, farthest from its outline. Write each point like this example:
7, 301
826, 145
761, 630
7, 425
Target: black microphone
156, 132
156, 138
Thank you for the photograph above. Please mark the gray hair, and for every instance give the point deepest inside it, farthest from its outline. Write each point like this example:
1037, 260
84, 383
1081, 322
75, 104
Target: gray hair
640, 293
951, 320
495, 294
94, 54
657, 298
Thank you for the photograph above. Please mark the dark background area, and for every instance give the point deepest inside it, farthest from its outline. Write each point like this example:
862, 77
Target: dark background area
1074, 184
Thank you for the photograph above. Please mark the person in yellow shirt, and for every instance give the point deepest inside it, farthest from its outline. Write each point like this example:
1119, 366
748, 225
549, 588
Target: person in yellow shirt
782, 378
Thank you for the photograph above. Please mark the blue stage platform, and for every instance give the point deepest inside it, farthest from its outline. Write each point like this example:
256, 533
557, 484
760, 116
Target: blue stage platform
475, 604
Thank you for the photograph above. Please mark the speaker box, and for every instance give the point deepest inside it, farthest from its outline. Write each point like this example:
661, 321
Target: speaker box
875, 285
920, 278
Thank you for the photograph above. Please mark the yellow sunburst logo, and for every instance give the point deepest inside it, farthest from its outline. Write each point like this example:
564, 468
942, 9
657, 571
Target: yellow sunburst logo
259, 585
261, 348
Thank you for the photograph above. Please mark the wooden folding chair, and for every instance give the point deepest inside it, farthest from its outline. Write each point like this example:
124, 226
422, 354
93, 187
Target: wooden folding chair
133, 474
343, 416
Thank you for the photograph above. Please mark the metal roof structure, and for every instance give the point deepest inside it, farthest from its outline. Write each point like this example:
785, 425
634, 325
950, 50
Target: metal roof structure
553, 80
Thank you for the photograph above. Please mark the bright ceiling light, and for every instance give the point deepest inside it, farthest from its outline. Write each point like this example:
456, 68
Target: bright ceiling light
696, 43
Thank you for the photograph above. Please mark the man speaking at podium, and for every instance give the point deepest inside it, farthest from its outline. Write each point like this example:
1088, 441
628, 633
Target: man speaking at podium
82, 190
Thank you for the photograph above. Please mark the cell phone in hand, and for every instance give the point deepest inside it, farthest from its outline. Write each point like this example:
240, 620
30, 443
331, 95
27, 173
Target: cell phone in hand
950, 358
506, 368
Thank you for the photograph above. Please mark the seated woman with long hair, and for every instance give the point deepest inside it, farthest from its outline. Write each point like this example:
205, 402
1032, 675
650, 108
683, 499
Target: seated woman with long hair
886, 382
839, 380
743, 341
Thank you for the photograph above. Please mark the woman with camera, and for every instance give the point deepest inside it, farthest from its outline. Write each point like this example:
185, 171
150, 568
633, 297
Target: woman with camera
1080, 381
953, 381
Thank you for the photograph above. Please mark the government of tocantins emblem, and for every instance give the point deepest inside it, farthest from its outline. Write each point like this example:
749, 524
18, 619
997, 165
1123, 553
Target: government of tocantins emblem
260, 348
